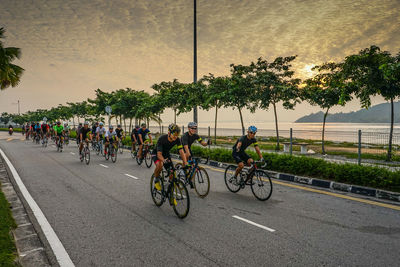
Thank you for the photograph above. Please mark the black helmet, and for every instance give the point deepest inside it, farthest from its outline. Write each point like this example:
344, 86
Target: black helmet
143, 125
173, 128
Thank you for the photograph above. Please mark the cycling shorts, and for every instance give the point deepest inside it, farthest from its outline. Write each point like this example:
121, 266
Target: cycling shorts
240, 156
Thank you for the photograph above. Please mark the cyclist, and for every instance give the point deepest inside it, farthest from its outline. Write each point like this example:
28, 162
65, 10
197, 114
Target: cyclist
94, 128
142, 133
189, 137
119, 131
100, 131
109, 138
37, 129
78, 131
134, 137
238, 150
44, 130
59, 131
85, 130
161, 155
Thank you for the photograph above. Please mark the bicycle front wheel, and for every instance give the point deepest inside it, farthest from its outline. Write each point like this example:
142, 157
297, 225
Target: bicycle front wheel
87, 156
148, 160
261, 185
113, 154
201, 182
179, 198
107, 153
120, 147
156, 195
230, 180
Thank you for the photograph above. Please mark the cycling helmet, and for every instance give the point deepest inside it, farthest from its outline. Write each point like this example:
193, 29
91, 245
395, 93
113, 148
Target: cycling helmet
80, 124
111, 127
137, 126
58, 122
143, 125
65, 124
173, 128
252, 129
119, 126
86, 123
101, 124
192, 124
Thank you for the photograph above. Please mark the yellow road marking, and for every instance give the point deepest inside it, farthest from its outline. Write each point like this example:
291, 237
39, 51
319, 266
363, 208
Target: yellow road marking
394, 207
22, 139
9, 139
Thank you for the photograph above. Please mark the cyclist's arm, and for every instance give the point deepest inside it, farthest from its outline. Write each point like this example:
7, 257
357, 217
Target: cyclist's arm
186, 150
140, 138
258, 151
183, 156
239, 144
151, 139
160, 156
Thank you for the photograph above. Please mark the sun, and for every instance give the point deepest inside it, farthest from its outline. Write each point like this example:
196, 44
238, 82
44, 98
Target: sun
307, 70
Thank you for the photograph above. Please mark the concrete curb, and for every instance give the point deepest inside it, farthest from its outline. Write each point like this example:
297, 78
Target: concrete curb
355, 189
31, 249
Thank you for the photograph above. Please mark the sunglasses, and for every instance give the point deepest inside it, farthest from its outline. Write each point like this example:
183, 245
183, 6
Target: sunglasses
252, 132
193, 128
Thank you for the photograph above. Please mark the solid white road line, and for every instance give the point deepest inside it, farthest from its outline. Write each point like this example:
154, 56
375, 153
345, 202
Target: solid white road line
105, 166
55, 243
131, 176
72, 153
253, 223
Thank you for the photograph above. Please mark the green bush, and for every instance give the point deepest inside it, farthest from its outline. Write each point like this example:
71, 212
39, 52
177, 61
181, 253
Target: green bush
17, 130
302, 165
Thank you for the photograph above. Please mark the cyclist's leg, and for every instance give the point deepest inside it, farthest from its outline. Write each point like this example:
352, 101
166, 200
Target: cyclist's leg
140, 150
238, 157
159, 165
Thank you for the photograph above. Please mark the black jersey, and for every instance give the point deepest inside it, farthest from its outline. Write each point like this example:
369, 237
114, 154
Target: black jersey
188, 140
84, 132
164, 145
245, 143
119, 132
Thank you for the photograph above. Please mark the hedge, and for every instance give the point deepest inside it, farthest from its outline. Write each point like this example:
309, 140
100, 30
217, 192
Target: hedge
376, 177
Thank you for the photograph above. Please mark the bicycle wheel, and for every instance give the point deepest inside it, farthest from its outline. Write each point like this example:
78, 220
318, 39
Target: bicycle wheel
113, 153
180, 194
231, 181
261, 185
97, 148
180, 174
120, 147
148, 160
107, 153
133, 153
87, 156
156, 195
201, 182
138, 160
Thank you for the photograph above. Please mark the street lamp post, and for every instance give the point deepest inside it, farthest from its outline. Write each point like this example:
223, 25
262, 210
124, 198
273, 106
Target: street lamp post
18, 107
195, 57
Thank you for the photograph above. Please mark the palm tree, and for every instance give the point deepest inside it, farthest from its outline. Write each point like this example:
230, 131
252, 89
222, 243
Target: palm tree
10, 74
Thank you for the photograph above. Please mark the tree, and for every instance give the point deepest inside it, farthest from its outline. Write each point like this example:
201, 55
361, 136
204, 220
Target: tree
215, 95
274, 83
240, 90
373, 72
325, 90
10, 74
5, 118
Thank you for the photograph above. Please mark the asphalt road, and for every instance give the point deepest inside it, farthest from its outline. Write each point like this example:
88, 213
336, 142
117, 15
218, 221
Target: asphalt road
105, 218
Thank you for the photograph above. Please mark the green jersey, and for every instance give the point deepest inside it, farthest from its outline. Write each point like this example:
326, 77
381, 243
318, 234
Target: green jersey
59, 129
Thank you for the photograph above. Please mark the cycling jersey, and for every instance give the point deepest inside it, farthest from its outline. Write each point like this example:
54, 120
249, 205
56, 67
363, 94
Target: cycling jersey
100, 131
119, 132
110, 134
84, 132
45, 127
59, 129
37, 128
94, 127
245, 143
143, 133
164, 146
188, 140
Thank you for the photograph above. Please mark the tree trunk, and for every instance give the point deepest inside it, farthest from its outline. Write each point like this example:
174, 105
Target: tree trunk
130, 125
175, 116
215, 126
136, 121
276, 127
148, 123
389, 154
73, 121
124, 124
323, 132
159, 122
241, 119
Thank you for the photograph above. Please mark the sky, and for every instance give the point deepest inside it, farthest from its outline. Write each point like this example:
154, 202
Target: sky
72, 47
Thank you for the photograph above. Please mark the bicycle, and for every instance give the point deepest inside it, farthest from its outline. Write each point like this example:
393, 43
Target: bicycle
85, 154
45, 141
37, 138
120, 146
66, 140
259, 180
60, 144
146, 155
134, 152
111, 150
197, 177
99, 147
176, 192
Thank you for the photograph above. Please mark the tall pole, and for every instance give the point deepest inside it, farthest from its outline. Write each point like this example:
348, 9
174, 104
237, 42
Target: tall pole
18, 108
195, 57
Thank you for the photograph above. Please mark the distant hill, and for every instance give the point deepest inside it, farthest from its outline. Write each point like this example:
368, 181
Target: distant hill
375, 114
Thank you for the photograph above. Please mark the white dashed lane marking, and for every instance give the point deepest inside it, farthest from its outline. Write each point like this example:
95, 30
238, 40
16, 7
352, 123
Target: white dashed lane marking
253, 223
131, 176
102, 165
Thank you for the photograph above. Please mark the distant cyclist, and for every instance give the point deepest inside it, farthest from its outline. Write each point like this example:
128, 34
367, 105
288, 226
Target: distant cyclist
142, 133
189, 137
135, 137
78, 131
85, 130
59, 132
109, 138
238, 150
